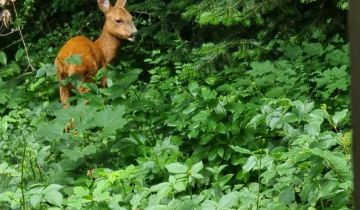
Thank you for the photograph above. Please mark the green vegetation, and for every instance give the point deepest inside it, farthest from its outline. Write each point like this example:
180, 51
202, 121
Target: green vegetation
231, 104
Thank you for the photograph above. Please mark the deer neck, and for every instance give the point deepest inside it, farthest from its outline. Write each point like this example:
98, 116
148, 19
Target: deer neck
108, 44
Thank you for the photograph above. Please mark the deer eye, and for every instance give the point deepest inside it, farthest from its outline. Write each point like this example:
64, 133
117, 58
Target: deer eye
119, 21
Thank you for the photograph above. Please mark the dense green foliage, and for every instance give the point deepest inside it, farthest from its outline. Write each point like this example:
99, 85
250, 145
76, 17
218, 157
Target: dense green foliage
232, 104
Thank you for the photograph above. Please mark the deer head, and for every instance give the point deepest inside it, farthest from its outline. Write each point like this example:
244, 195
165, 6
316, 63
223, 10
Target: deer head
118, 21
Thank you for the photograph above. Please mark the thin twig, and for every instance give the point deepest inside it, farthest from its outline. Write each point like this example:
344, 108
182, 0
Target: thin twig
142, 13
44, 17
22, 175
19, 40
85, 25
23, 40
259, 181
11, 32
21, 76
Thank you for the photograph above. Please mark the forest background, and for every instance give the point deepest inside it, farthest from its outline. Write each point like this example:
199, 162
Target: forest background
231, 104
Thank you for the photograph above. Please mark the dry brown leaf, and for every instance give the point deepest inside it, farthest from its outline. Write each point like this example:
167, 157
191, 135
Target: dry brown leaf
6, 18
2, 2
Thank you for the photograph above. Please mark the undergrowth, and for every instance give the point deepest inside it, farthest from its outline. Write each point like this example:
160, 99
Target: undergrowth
228, 105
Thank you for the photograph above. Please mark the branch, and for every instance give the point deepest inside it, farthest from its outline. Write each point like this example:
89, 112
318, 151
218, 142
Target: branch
19, 40
11, 32
23, 40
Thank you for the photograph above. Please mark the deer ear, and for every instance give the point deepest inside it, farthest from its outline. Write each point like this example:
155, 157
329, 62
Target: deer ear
120, 3
104, 5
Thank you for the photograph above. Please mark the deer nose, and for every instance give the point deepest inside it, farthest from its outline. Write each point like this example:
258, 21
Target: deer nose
132, 36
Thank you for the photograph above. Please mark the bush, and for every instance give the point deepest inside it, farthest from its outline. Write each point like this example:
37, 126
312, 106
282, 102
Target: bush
228, 105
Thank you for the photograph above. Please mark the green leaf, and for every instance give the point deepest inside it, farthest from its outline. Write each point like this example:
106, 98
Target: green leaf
135, 200
3, 167
273, 120
158, 187
302, 107
3, 98
100, 196
201, 116
197, 167
327, 188
73, 59
289, 130
19, 54
337, 57
193, 88
180, 186
259, 69
73, 154
275, 92
339, 116
229, 200
54, 197
313, 49
164, 192
78, 152
10, 70
35, 200
51, 131
36, 84
76, 202
249, 164
220, 151
309, 193
111, 119
129, 77
100, 192
312, 129
268, 175
80, 191
209, 205
3, 58
37, 190
90, 149
47, 69
206, 138
207, 94
53, 187
191, 108
287, 196
337, 163
197, 176
292, 52
102, 185
177, 168
225, 179
319, 113
255, 120
240, 150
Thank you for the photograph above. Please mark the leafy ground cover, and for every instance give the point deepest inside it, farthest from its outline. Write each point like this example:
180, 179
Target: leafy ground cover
218, 105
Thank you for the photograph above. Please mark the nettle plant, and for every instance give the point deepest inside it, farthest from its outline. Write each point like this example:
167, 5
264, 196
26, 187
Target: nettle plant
312, 162
219, 106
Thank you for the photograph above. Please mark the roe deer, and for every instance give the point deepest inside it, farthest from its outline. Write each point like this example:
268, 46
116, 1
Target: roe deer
95, 55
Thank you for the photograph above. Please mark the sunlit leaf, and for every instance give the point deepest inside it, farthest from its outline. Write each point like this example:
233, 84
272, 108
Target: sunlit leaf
3, 58
339, 116
176, 168
197, 167
240, 150
249, 164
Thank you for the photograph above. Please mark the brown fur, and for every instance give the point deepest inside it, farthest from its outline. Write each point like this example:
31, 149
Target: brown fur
95, 55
